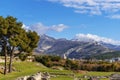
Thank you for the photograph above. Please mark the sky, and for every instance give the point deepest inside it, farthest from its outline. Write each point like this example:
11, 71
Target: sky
98, 19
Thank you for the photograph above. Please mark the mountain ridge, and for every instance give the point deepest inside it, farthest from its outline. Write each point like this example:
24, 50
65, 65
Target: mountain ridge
71, 48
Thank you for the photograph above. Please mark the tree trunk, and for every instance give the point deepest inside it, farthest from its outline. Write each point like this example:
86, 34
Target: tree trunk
5, 65
10, 62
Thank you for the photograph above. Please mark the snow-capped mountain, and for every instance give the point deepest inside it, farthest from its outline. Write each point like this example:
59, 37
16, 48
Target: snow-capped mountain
92, 38
110, 43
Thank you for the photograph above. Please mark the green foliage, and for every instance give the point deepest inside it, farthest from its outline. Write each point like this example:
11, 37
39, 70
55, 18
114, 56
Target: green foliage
79, 65
34, 38
23, 57
55, 58
2, 54
48, 61
12, 33
108, 55
43, 59
3, 26
68, 64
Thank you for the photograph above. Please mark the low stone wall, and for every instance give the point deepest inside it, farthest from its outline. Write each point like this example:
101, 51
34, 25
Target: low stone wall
29, 59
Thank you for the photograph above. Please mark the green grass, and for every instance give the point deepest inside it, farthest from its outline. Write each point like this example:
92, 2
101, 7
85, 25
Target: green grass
99, 73
62, 78
100, 79
96, 74
22, 69
29, 68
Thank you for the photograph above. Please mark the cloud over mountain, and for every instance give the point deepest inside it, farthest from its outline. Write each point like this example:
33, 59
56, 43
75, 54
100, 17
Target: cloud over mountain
42, 29
92, 7
91, 37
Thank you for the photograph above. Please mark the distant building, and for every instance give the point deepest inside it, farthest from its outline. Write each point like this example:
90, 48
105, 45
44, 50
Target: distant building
117, 59
113, 60
64, 56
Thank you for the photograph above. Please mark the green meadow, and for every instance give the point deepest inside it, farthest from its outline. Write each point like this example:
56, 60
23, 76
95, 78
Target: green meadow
29, 68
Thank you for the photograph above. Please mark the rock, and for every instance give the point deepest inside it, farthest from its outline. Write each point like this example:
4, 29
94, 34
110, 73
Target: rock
22, 78
37, 76
31, 78
46, 76
115, 76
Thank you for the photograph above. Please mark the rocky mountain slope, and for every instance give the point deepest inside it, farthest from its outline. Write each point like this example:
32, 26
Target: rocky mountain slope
70, 48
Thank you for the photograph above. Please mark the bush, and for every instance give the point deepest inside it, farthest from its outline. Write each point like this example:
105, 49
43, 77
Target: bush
23, 57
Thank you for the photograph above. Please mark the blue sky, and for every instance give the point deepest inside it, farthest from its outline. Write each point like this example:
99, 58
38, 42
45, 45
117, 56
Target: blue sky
67, 18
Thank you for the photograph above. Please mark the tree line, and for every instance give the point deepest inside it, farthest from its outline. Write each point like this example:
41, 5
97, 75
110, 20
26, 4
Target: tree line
108, 55
51, 61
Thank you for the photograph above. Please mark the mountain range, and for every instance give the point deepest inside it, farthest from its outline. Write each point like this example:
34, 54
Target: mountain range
73, 48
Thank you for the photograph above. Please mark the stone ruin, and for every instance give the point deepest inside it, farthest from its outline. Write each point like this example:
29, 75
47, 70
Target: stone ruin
115, 76
37, 76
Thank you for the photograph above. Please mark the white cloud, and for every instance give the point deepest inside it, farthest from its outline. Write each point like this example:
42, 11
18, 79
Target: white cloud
116, 16
42, 29
91, 37
59, 27
92, 7
39, 28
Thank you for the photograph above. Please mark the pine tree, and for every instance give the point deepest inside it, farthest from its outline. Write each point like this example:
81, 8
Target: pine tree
14, 37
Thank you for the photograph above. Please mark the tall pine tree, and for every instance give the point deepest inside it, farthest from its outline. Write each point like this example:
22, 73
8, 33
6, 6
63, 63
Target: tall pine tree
14, 37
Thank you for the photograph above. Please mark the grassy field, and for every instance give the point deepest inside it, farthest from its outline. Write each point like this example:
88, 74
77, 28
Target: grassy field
96, 74
29, 68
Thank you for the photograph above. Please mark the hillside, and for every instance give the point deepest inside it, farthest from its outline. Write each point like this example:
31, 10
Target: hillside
108, 55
